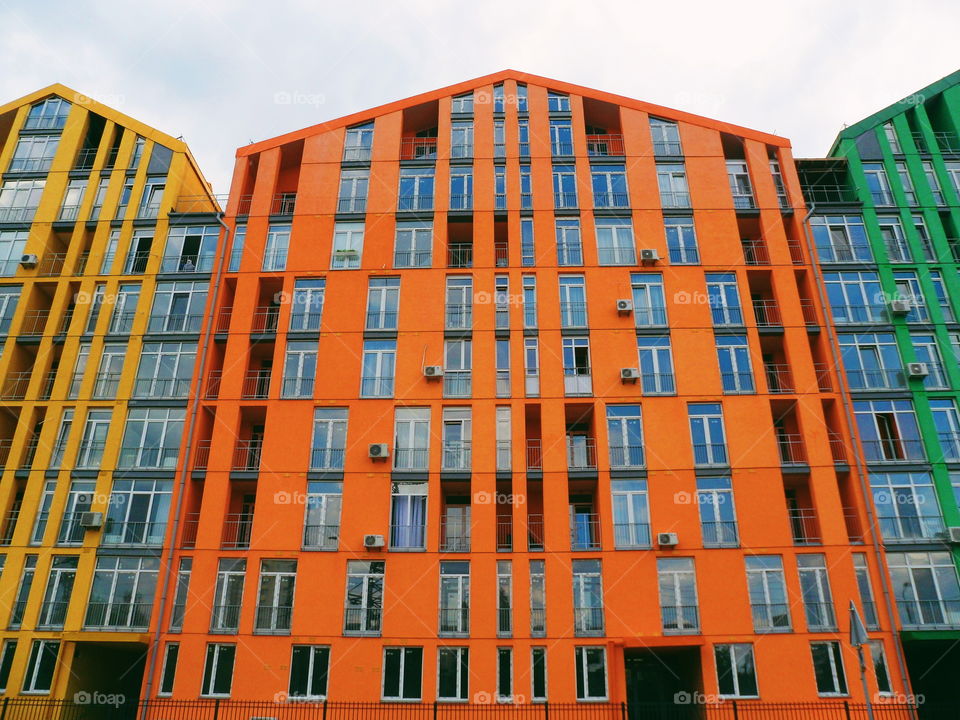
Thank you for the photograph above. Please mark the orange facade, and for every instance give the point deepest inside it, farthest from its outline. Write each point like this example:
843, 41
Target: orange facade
538, 455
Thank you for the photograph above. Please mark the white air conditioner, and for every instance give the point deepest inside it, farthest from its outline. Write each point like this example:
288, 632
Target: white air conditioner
917, 370
899, 307
629, 374
29, 261
649, 255
373, 541
667, 539
433, 371
624, 306
91, 519
379, 450
953, 535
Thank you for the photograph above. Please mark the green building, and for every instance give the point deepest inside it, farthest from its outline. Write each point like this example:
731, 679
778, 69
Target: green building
885, 220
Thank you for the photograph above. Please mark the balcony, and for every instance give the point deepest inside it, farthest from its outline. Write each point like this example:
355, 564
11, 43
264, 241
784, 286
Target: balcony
804, 526
212, 388
187, 263
770, 617
352, 204
588, 621
605, 145
454, 621
410, 258
626, 457
631, 535
674, 199
534, 455
457, 383
417, 148
581, 453
929, 614
779, 378
105, 385
118, 616
237, 529
415, 203
34, 322
191, 524
201, 456
161, 388
585, 531
792, 449
459, 317
5, 446
326, 458
680, 619
265, 319
720, 533
175, 324
85, 159
565, 200
876, 379
538, 622
51, 264
273, 619
710, 454
118, 534
796, 252
755, 252
225, 619
9, 527
824, 377
456, 456
407, 458
461, 150
246, 456
894, 450
321, 537
283, 204
15, 387
535, 533
504, 534
838, 448
89, 456
460, 255
911, 529
362, 620
461, 203
256, 385
767, 314
454, 534
53, 614
605, 200
276, 260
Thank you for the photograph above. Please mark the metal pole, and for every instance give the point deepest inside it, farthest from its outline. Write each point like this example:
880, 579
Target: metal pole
863, 679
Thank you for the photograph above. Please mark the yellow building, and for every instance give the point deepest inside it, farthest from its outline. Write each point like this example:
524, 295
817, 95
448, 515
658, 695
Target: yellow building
108, 235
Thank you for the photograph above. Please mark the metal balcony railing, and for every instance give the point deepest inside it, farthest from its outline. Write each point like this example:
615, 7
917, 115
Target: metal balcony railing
105, 385
535, 533
9, 526
457, 383
5, 446
327, 458
779, 378
581, 453
201, 456
118, 616
89, 455
667, 147
53, 614
504, 622
610, 200
121, 322
838, 448
352, 204
362, 620
851, 520
376, 386
410, 258
504, 534
17, 214
894, 450
454, 621
824, 377
454, 534
225, 618
909, 528
71, 531
34, 322
755, 252
191, 524
767, 313
605, 145
133, 533
256, 384
461, 202
929, 614
273, 618
796, 252
418, 148
709, 454
283, 203
51, 264
414, 203
672, 199
626, 456
792, 449
459, 317
187, 263
148, 211
573, 314
588, 621
406, 458
561, 148
680, 619
720, 533
565, 200
804, 526
770, 617
179, 323
876, 379
46, 388
408, 536
212, 387
15, 388
455, 455
246, 456
321, 537
161, 388
538, 622
631, 535
85, 159
265, 319
237, 530
585, 531
460, 255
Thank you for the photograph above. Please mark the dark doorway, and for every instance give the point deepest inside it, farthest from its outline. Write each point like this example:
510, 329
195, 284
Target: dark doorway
933, 666
106, 679
663, 683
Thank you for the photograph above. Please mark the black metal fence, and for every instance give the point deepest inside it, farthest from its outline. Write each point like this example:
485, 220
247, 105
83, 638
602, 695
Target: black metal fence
108, 707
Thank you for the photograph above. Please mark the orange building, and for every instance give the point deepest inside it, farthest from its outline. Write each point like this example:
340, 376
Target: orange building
517, 390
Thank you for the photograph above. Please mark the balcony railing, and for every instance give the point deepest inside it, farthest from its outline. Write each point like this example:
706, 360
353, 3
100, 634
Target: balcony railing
824, 378
237, 530
455, 455
191, 524
118, 616
225, 618
15, 388
588, 621
273, 619
460, 255
796, 252
265, 319
770, 617
459, 317
709, 454
406, 458
755, 252
454, 621
720, 533
454, 535
908, 528
585, 531
534, 455
187, 263
5, 446
950, 445
201, 456
674, 199
410, 258
680, 619
563, 200
256, 385
581, 453
876, 379
416, 148
929, 614
175, 323
792, 449
53, 614
246, 456
504, 455
535, 533
804, 526
51, 264
457, 383
626, 456
34, 322
573, 314
133, 533
283, 204
326, 458
838, 448
321, 537
779, 378
376, 386
105, 385
610, 200
504, 534
461, 202
631, 535
605, 145
414, 203
894, 450
85, 159
538, 622
767, 313
362, 620
9, 526
161, 388
352, 204
17, 214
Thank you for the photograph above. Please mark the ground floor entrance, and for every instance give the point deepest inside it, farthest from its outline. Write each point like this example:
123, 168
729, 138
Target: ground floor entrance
663, 683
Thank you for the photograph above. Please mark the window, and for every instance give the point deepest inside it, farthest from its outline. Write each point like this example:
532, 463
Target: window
718, 516
125, 307
41, 666
6, 662
177, 307
124, 201
923, 235
561, 138
461, 139
557, 102
499, 99
907, 506
736, 673
309, 666
778, 184
93, 441
888, 430
678, 595
454, 598
649, 307
138, 512
379, 363
43, 512
353, 191
23, 592
908, 290
880, 671
706, 431
12, 243
299, 369
587, 598
591, 673
855, 297
502, 357
98, 198
347, 246
190, 249
906, 182
564, 186
504, 598
523, 150
681, 240
218, 670
768, 593
228, 596
453, 673
180, 596
940, 293
577, 378
462, 103
609, 186
724, 299
402, 670
457, 372
152, 438
526, 193
828, 668
49, 114
953, 172
456, 439
538, 674
307, 311
414, 243
411, 439
329, 438
63, 437
865, 587
275, 598
165, 370
841, 239
890, 133
740, 187
461, 188
111, 367
504, 674
877, 183
672, 181
947, 422
538, 598
78, 501
926, 588
358, 143
19, 200
521, 98
573, 301
416, 189
9, 296
631, 514
529, 301
666, 137
408, 516
459, 303
121, 597
321, 519
625, 436
815, 589
569, 249
615, 241
34, 153
934, 182
56, 597
531, 366
733, 355
168, 672
501, 299
363, 606
499, 172
150, 200
871, 361
894, 240
383, 303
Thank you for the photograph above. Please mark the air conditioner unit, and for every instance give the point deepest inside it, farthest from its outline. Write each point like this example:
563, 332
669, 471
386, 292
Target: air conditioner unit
379, 450
917, 370
649, 255
29, 261
373, 541
629, 374
433, 371
624, 306
899, 307
953, 535
91, 519
667, 539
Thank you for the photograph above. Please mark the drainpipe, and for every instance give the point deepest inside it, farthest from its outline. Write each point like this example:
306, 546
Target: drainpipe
861, 471
185, 467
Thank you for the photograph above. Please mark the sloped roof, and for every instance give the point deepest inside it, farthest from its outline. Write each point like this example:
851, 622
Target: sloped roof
521, 77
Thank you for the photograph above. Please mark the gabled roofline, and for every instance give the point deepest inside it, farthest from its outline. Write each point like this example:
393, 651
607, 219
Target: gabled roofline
894, 109
496, 77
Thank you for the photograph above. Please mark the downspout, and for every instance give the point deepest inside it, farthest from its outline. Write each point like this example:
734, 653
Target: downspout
861, 471
185, 468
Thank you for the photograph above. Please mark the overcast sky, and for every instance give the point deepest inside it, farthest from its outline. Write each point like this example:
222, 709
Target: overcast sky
223, 74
